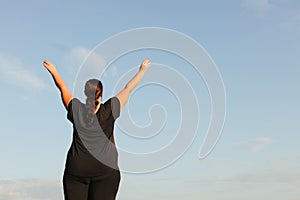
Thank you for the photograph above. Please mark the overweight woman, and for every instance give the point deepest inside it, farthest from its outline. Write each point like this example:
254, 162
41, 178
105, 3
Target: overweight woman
91, 169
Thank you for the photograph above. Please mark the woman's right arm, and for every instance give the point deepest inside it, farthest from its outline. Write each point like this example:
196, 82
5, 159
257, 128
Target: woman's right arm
124, 94
66, 95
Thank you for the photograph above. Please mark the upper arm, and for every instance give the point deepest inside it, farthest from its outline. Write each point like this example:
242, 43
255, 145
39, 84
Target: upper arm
66, 96
123, 97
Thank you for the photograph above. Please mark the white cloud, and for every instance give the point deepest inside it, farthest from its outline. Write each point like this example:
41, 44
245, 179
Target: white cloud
255, 144
260, 7
265, 181
93, 62
13, 71
86, 64
285, 13
274, 184
30, 189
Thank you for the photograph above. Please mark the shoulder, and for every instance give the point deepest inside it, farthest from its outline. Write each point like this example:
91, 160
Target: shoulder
112, 102
115, 101
74, 102
112, 105
74, 108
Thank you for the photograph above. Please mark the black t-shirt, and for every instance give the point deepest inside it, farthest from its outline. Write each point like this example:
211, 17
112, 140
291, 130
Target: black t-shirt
92, 152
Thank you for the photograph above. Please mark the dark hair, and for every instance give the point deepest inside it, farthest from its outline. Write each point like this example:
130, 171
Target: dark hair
93, 90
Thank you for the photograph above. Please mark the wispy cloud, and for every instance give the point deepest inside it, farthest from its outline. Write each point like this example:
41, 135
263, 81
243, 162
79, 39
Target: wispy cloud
284, 13
30, 189
86, 64
13, 71
272, 181
255, 144
227, 184
257, 184
83, 57
260, 7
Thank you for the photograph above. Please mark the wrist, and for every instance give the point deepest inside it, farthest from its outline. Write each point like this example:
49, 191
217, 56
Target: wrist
143, 69
53, 71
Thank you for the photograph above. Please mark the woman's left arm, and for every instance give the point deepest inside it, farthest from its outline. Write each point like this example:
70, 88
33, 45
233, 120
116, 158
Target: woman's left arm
66, 95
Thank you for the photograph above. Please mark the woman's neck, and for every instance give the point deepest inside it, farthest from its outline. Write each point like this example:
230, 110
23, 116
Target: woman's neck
97, 107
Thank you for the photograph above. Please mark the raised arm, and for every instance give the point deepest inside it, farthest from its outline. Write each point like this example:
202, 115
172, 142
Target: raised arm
66, 95
124, 94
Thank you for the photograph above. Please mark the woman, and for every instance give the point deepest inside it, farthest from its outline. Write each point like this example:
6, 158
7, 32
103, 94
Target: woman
91, 169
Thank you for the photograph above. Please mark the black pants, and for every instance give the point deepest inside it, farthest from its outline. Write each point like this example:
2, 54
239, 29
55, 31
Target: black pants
92, 188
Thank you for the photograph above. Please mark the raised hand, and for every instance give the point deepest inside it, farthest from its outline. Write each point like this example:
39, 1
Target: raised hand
124, 94
66, 95
49, 66
145, 65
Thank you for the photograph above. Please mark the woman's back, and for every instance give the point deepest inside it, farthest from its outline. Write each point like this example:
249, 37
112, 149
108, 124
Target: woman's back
92, 153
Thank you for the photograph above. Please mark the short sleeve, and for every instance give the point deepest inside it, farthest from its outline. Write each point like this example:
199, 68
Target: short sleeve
115, 107
112, 108
70, 112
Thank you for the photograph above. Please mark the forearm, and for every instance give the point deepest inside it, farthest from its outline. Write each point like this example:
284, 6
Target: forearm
135, 81
124, 94
59, 82
66, 95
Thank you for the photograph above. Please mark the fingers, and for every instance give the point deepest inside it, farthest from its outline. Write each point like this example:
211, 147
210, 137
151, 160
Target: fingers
146, 62
45, 62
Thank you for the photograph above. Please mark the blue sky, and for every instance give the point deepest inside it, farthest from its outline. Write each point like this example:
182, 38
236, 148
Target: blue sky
254, 43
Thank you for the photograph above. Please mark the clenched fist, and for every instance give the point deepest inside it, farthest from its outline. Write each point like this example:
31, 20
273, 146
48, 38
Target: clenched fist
145, 65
